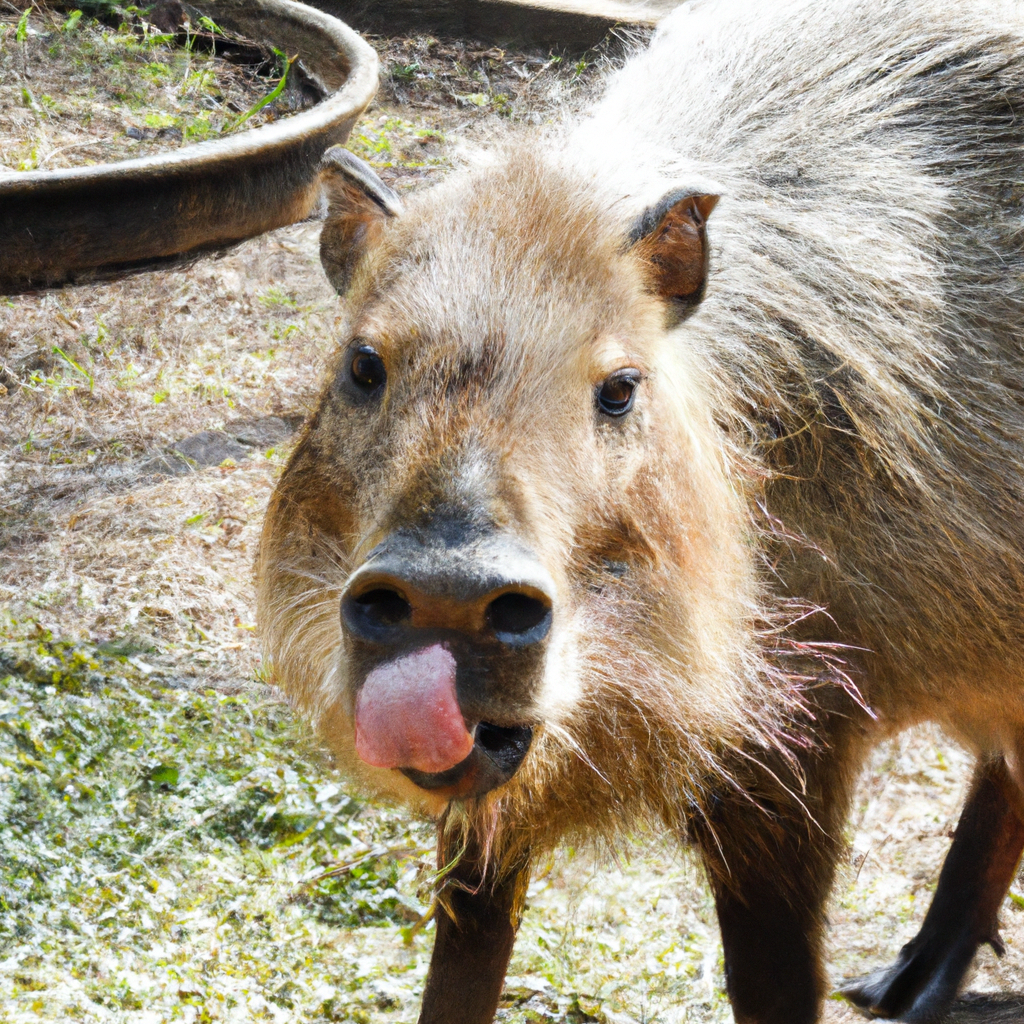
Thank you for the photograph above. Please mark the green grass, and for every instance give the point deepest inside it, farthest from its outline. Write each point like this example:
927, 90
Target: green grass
145, 91
188, 855
162, 849
394, 142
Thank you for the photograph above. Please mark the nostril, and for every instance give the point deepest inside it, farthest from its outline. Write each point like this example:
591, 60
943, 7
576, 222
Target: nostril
375, 611
519, 619
386, 607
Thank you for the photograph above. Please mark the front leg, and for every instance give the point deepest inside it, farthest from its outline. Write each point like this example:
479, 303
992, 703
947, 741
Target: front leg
770, 845
772, 956
480, 906
770, 897
977, 871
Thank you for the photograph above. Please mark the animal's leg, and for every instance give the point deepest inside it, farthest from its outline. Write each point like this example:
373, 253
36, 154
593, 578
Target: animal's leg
478, 914
771, 861
978, 870
772, 957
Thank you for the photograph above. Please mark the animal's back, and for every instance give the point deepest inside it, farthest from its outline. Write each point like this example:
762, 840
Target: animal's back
863, 316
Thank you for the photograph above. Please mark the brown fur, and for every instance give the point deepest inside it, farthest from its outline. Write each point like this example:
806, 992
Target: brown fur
505, 396
805, 536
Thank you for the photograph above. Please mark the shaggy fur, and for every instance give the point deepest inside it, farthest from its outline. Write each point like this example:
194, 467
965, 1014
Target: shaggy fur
807, 534
491, 376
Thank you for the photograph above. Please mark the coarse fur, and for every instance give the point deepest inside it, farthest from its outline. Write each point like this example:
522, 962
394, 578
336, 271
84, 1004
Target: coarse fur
511, 360
806, 534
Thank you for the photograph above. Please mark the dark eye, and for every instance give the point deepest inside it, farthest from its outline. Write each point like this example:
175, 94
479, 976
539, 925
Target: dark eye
367, 369
615, 395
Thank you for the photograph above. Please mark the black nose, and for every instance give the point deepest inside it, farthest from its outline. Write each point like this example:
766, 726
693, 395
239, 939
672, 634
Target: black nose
493, 592
389, 607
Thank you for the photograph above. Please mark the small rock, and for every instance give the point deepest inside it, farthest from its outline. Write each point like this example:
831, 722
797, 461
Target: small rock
264, 432
211, 448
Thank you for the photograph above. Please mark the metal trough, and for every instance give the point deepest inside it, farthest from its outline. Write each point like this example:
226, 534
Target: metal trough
572, 25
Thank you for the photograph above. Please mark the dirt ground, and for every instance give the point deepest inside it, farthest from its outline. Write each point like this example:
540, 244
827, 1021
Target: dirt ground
142, 426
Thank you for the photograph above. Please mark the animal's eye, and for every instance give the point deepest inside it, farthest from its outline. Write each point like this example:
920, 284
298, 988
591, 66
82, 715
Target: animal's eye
615, 395
367, 369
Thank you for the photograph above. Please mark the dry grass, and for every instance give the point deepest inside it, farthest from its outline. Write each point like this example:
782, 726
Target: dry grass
75, 90
442, 99
101, 382
98, 542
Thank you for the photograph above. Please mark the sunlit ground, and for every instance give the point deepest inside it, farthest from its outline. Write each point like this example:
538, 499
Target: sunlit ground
168, 821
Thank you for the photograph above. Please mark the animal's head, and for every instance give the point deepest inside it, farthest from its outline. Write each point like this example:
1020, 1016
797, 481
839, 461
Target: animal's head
507, 546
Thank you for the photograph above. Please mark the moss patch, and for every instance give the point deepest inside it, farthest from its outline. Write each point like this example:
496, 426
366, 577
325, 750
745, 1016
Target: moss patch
163, 849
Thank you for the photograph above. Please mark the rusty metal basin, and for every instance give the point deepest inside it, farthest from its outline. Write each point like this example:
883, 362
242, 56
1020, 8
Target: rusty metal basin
91, 223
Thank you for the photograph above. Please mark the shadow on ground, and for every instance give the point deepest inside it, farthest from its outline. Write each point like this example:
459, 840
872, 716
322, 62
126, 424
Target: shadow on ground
970, 1008
982, 1008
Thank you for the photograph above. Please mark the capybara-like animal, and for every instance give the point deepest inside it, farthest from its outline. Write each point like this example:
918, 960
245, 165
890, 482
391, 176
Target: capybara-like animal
670, 462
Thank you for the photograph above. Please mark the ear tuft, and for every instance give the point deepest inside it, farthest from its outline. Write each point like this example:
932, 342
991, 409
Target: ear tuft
358, 204
671, 238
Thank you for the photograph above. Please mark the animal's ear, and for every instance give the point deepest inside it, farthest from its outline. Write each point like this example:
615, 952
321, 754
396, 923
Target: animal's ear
671, 237
358, 204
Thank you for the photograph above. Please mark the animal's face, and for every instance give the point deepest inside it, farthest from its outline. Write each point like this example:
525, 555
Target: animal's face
493, 509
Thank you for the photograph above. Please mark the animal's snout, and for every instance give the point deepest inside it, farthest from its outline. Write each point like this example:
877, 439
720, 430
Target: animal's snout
501, 596
448, 641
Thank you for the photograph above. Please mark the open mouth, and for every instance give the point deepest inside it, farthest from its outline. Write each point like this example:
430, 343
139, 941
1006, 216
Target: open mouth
497, 754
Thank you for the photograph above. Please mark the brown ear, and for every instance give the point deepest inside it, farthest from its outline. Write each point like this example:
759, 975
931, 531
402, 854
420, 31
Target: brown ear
671, 237
358, 204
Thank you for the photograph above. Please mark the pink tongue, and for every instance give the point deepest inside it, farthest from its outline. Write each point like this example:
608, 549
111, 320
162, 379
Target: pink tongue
407, 715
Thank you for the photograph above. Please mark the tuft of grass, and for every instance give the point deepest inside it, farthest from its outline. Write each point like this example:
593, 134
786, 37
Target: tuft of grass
118, 88
286, 66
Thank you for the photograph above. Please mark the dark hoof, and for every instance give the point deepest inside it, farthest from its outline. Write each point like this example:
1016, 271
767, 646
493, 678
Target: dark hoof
918, 989
867, 991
